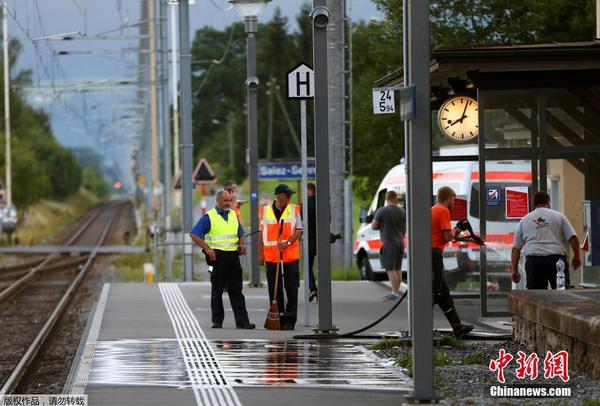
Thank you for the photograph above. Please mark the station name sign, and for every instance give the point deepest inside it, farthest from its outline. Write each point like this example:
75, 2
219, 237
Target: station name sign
284, 170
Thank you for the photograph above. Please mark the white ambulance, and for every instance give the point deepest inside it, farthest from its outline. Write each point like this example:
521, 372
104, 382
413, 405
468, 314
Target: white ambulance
461, 260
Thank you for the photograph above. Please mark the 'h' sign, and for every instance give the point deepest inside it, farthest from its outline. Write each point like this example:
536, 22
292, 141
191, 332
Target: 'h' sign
301, 82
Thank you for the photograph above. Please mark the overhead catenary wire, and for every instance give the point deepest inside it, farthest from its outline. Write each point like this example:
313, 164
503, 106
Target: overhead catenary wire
214, 3
215, 62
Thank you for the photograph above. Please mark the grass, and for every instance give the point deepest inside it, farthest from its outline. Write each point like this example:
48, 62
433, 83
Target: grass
406, 361
475, 358
47, 217
451, 341
388, 343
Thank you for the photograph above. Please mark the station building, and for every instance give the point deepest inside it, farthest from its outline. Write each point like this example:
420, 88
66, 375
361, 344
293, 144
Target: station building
537, 104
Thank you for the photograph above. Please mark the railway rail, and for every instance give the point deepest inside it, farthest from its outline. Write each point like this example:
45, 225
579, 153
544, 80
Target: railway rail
101, 222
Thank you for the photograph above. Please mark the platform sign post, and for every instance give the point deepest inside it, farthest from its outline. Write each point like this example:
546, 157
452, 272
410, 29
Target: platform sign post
301, 86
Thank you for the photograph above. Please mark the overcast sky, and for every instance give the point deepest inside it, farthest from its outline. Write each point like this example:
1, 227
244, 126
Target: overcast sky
30, 19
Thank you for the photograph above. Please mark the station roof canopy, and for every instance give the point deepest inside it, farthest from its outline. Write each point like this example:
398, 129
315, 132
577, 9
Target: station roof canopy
556, 64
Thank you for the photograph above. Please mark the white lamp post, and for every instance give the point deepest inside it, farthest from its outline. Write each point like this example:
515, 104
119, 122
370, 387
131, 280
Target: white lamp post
249, 11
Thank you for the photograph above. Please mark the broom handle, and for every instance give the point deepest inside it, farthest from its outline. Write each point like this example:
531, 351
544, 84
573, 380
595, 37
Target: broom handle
278, 262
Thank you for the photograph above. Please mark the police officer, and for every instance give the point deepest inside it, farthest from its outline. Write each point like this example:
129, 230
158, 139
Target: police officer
280, 230
542, 234
221, 237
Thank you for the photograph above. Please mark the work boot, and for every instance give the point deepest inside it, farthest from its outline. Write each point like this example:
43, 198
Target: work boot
460, 330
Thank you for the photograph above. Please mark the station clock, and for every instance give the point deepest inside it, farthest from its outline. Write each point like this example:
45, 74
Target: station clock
458, 118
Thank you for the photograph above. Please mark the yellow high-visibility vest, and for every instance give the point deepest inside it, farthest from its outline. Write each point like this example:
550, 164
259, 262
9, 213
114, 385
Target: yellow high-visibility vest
223, 235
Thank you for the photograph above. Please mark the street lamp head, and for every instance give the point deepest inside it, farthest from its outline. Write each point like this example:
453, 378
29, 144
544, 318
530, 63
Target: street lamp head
252, 83
320, 16
249, 9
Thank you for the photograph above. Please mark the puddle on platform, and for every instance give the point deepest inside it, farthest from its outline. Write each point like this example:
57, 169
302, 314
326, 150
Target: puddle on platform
247, 363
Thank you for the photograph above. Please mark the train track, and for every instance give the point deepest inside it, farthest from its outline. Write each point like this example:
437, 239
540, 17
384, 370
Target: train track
102, 220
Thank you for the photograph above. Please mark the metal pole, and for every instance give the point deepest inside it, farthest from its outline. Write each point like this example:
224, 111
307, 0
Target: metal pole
155, 252
348, 221
320, 17
305, 236
271, 86
406, 163
420, 200
164, 69
154, 109
7, 151
174, 89
251, 25
187, 146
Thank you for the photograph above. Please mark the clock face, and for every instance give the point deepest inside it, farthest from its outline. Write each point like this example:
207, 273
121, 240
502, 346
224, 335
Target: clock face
458, 118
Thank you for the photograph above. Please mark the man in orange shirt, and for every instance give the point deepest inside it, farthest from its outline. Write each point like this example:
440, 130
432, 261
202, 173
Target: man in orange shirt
442, 233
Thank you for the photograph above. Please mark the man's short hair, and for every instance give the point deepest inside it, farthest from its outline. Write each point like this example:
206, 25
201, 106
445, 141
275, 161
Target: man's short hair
444, 193
229, 185
311, 186
391, 195
540, 198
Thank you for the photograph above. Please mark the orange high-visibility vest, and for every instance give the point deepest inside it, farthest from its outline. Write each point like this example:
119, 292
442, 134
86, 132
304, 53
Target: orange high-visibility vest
270, 233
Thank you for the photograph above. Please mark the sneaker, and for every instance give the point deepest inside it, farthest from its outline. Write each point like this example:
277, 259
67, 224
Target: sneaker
462, 330
390, 297
312, 295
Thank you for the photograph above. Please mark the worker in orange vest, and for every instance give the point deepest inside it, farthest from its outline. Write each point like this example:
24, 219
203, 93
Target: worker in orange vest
232, 188
282, 216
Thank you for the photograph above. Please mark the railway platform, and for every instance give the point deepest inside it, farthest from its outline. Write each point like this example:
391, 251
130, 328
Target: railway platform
154, 345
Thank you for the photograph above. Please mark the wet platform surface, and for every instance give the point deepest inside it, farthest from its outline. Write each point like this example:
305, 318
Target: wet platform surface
153, 345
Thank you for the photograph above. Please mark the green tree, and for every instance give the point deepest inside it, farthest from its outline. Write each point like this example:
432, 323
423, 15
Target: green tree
92, 180
219, 72
41, 168
454, 23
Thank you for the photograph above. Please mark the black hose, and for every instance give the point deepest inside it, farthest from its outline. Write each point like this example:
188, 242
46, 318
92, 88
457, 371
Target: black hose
355, 333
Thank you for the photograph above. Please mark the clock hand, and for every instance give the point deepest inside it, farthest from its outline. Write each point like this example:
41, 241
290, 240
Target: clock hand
460, 120
463, 113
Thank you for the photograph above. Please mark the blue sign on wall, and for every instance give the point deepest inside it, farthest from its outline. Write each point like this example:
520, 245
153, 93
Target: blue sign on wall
492, 195
284, 170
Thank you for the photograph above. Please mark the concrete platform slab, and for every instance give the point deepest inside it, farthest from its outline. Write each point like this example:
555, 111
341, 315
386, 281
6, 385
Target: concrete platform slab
154, 346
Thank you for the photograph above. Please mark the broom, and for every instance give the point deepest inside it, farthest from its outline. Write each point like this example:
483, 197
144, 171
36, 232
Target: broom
272, 321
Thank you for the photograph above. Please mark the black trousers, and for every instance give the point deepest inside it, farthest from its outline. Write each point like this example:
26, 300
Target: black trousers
291, 283
441, 293
542, 269
312, 284
227, 271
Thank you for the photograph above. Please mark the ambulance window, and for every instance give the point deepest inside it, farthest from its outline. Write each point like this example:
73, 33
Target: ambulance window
381, 198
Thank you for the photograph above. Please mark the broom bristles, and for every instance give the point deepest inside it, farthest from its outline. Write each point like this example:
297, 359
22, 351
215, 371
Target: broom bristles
272, 321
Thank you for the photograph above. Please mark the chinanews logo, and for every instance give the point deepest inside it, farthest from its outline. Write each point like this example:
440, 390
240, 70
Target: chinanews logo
555, 365
541, 222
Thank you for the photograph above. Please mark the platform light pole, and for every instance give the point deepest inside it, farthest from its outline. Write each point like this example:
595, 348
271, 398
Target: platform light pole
164, 86
186, 146
7, 107
320, 19
249, 11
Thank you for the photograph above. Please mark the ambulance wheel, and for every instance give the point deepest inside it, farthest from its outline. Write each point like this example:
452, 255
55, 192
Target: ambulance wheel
366, 273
